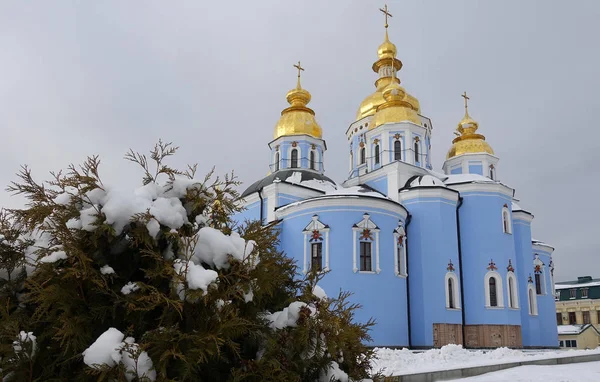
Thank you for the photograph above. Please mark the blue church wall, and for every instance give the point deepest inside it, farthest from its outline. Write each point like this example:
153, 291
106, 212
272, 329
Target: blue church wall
483, 240
381, 295
304, 147
475, 168
380, 184
432, 245
530, 325
375, 165
456, 170
252, 212
547, 305
283, 199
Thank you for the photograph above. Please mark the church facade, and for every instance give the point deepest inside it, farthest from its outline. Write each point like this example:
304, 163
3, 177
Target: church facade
434, 258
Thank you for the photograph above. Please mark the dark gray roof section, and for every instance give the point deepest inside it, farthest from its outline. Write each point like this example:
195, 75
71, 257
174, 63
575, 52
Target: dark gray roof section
282, 175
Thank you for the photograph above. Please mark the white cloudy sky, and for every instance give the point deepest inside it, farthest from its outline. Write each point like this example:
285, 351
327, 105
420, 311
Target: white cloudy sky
80, 78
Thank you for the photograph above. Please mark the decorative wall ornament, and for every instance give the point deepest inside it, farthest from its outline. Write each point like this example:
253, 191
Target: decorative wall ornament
529, 279
505, 205
277, 148
510, 268
397, 136
294, 144
365, 228
492, 266
362, 144
450, 267
314, 232
316, 236
417, 139
313, 146
376, 141
366, 234
537, 264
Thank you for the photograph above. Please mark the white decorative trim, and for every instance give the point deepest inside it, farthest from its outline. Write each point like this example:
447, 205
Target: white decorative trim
315, 225
430, 192
483, 187
532, 302
346, 201
400, 231
522, 215
499, 289
366, 223
506, 217
515, 293
452, 275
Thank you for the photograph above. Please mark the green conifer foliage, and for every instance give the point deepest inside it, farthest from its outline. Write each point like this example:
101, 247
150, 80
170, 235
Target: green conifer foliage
87, 275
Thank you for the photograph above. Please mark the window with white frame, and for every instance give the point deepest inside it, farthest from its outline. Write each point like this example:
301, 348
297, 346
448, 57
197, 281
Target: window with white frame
506, 223
513, 294
377, 155
312, 155
417, 154
494, 297
532, 300
540, 280
365, 235
277, 161
397, 150
294, 158
572, 293
363, 155
492, 172
316, 246
452, 294
584, 292
400, 268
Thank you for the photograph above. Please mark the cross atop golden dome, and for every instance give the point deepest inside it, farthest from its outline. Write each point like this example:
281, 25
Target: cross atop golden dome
298, 119
467, 140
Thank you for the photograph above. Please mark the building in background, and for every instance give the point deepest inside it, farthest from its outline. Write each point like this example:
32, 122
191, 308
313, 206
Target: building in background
578, 302
578, 336
436, 258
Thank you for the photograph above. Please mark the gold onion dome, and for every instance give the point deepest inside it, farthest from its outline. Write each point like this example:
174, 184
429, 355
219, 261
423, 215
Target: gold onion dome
468, 141
298, 119
386, 64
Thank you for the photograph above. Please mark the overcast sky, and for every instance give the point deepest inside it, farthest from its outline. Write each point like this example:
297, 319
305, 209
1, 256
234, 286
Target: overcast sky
80, 78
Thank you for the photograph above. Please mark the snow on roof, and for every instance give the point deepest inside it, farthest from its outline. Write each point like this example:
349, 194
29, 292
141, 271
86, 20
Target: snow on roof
572, 329
576, 285
538, 242
516, 207
426, 181
467, 178
341, 192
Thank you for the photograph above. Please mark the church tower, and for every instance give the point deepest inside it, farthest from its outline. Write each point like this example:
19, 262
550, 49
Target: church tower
390, 140
470, 153
298, 140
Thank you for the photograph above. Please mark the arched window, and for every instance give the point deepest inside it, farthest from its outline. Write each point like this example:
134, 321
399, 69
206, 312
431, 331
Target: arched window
494, 297
452, 301
493, 292
506, 224
417, 152
397, 150
312, 159
277, 161
492, 172
363, 156
376, 154
532, 300
513, 295
294, 158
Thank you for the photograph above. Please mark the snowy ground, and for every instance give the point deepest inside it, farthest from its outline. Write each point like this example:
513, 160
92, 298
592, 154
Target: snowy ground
398, 362
576, 372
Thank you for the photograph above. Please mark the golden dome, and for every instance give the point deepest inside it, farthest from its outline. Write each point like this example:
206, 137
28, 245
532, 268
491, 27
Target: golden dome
387, 49
298, 119
396, 107
468, 141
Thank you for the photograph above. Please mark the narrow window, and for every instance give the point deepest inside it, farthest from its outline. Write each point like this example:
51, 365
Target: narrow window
561, 344
573, 343
586, 317
376, 154
572, 318
312, 160
451, 303
417, 152
538, 284
559, 318
365, 256
400, 260
493, 294
598, 316
276, 161
316, 260
584, 293
531, 302
511, 293
363, 156
294, 158
506, 220
492, 173
572, 293
568, 342
397, 150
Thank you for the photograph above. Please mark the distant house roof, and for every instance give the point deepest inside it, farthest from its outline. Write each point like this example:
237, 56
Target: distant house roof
567, 330
582, 282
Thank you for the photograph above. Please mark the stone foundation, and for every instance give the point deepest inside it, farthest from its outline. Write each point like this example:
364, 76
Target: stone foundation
493, 336
444, 334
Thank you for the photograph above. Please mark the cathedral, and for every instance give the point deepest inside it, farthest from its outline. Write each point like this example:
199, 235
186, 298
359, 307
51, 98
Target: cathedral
435, 258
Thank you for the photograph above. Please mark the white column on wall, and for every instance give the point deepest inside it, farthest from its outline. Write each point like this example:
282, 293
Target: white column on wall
327, 250
305, 266
377, 269
354, 268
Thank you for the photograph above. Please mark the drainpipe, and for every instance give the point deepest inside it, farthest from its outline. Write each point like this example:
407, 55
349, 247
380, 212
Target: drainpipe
460, 267
408, 219
261, 206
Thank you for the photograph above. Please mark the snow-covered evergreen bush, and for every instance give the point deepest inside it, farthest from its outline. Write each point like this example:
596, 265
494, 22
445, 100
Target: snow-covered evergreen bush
155, 283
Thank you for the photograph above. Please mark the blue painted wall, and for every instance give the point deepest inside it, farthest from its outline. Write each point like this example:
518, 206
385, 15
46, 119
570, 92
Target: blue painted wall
547, 306
457, 170
432, 244
380, 184
475, 168
530, 326
252, 212
381, 295
483, 239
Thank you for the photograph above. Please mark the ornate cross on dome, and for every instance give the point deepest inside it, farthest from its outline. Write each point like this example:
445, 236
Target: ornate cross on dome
300, 68
386, 13
464, 95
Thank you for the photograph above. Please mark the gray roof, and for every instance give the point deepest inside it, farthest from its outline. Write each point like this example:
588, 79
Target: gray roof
282, 175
